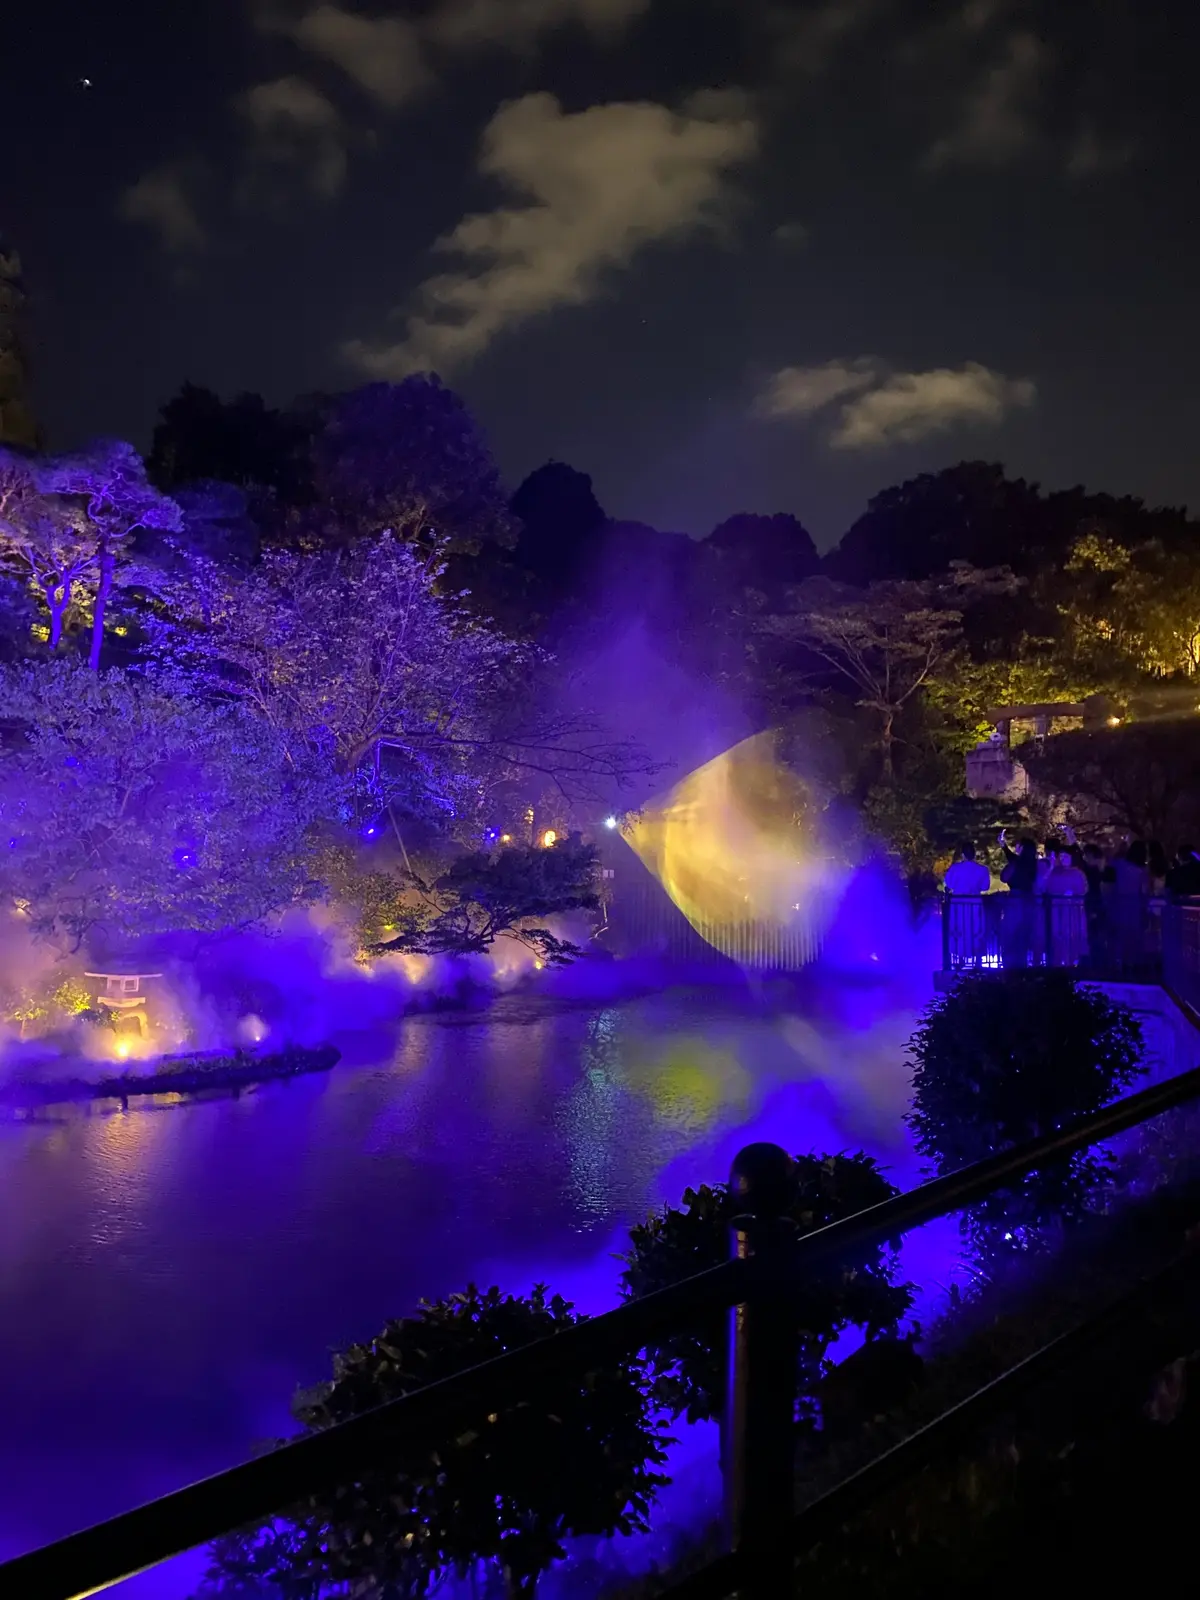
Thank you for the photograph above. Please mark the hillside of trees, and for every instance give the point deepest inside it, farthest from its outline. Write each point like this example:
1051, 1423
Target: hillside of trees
287, 629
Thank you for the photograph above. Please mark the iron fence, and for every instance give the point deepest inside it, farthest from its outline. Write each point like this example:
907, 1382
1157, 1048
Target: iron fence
1181, 952
1121, 936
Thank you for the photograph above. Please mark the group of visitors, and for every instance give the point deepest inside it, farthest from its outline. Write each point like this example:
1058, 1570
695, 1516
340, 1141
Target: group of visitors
1068, 903
1063, 867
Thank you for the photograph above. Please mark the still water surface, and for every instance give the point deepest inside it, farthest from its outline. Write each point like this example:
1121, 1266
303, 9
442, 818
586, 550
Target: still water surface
169, 1276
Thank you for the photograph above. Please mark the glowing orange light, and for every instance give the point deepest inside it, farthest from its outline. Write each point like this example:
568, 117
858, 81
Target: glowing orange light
549, 838
123, 1048
1114, 722
506, 838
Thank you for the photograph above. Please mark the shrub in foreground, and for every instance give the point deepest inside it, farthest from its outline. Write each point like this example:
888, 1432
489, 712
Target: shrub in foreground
505, 1493
678, 1242
1015, 1056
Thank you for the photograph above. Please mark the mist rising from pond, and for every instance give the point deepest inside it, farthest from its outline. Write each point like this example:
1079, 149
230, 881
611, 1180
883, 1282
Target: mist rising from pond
176, 1273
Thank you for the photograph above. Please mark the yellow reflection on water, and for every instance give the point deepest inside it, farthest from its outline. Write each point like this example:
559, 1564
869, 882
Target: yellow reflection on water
691, 1084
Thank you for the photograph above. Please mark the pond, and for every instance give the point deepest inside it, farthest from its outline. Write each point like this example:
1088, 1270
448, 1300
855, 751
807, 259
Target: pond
169, 1275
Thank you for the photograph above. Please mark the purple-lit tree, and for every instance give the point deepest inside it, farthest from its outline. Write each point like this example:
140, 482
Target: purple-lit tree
46, 540
128, 807
357, 657
108, 480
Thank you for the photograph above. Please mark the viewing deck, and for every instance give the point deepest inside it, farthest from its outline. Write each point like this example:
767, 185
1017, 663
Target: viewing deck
1124, 939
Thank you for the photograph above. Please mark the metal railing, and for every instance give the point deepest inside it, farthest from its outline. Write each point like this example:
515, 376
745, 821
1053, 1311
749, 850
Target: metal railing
1121, 936
1181, 952
764, 1531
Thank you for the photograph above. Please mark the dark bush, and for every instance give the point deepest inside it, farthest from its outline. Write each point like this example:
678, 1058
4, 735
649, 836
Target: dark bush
677, 1243
1013, 1056
505, 1493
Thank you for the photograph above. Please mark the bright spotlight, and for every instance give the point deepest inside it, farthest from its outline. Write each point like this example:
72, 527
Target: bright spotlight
122, 1048
1114, 722
610, 822
549, 838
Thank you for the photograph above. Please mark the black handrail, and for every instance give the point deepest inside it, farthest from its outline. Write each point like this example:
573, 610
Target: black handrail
85, 1563
837, 1507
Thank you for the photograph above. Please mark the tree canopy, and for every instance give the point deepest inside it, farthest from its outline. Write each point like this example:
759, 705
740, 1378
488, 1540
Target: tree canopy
1144, 776
763, 552
129, 808
887, 642
973, 512
1007, 1058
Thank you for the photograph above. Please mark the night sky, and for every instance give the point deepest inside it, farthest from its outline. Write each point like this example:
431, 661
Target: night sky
722, 254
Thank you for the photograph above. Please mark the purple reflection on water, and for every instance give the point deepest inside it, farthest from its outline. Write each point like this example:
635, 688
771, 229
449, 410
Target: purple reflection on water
169, 1277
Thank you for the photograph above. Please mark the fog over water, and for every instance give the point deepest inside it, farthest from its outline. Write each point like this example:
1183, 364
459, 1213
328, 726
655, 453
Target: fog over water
169, 1275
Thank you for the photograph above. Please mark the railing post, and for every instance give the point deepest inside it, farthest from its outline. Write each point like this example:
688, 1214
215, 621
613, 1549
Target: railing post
945, 930
760, 1406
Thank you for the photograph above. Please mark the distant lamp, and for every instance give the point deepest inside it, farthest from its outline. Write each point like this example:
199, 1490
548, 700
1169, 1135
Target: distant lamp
1114, 722
506, 838
610, 822
548, 838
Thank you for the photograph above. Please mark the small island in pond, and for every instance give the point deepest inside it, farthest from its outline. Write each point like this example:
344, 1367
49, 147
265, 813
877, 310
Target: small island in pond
194, 1073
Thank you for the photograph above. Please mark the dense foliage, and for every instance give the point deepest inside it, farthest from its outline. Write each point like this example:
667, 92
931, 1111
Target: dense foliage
1146, 775
344, 654
292, 669
680, 1241
505, 1493
956, 592
348, 576
1013, 1056
482, 897
127, 805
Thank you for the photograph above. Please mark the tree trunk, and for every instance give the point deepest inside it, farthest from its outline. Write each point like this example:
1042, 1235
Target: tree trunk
886, 741
58, 610
103, 590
